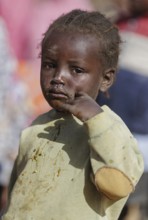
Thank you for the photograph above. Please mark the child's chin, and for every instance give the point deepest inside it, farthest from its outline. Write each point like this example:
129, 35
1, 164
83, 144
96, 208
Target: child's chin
57, 105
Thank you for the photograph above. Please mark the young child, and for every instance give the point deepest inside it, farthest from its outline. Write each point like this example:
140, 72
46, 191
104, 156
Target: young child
78, 161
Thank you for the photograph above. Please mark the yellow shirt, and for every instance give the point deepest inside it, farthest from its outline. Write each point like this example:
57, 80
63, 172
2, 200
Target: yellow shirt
69, 170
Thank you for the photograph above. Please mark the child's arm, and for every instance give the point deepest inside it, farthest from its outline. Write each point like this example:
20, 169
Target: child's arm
116, 161
18, 164
12, 178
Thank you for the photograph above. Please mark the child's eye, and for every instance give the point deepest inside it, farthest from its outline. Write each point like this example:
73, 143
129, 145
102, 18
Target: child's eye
78, 70
48, 65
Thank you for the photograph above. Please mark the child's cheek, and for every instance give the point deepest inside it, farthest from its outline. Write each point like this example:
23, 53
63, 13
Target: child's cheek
71, 97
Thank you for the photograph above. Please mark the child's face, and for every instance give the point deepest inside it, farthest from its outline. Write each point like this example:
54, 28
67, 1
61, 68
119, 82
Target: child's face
70, 65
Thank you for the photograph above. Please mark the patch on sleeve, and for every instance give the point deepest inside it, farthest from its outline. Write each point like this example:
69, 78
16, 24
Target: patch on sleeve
113, 183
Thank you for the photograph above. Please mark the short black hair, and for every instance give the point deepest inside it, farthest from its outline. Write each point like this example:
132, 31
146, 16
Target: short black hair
93, 23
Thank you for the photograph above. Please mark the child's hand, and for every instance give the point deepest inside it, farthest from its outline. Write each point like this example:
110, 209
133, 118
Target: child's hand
83, 107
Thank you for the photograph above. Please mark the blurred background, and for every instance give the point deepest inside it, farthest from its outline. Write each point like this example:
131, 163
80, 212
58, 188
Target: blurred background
22, 25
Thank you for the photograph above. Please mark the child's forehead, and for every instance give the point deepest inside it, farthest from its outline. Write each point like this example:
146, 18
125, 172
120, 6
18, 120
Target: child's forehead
77, 36
72, 42
75, 47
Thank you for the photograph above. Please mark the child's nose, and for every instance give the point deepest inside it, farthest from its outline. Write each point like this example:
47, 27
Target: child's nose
59, 77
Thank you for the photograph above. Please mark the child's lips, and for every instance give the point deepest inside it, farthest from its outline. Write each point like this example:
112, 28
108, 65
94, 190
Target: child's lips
57, 94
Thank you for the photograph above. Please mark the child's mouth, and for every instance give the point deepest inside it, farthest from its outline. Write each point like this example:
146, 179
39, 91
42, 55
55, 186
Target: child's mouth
56, 93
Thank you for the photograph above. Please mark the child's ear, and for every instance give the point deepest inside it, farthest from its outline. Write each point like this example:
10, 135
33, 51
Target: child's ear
108, 79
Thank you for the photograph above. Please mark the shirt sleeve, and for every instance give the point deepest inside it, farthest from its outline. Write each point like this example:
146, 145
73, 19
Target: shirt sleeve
19, 162
116, 161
